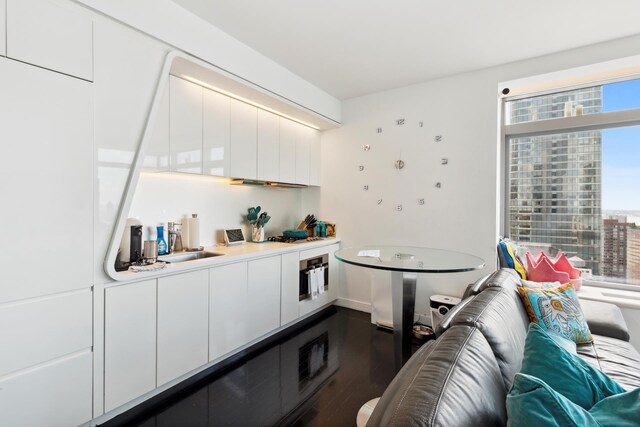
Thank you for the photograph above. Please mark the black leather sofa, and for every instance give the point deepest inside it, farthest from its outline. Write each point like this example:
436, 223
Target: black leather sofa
462, 378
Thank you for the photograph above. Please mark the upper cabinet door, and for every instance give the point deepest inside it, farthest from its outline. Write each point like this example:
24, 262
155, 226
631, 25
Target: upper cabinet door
315, 156
46, 129
3, 28
215, 133
287, 151
51, 35
185, 126
156, 156
268, 146
244, 133
303, 151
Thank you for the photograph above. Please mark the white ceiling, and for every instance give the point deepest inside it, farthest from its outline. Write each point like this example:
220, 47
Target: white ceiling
350, 48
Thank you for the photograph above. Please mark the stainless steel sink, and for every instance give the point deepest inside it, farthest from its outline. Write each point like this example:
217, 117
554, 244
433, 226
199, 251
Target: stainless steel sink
187, 256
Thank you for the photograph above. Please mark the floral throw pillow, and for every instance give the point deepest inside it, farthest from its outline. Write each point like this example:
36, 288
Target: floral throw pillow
557, 310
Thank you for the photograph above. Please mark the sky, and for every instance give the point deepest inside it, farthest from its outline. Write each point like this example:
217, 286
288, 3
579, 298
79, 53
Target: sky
621, 150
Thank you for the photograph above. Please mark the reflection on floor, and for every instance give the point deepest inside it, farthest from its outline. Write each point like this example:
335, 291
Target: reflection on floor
319, 376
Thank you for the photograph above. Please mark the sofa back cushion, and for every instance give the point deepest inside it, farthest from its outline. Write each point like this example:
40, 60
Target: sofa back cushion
505, 278
499, 315
453, 381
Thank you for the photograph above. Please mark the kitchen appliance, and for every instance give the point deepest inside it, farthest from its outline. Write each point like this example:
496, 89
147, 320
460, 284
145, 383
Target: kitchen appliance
440, 306
135, 243
306, 267
150, 251
285, 239
233, 236
125, 255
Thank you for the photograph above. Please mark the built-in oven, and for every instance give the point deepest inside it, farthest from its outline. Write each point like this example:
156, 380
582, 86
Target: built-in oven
319, 266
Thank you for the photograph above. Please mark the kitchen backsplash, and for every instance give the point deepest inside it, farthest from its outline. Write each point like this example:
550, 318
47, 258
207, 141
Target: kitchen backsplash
163, 197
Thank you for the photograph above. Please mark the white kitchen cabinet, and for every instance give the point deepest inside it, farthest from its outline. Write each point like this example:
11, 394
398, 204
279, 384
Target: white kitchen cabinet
268, 146
263, 302
46, 181
287, 151
315, 156
228, 309
289, 300
52, 394
244, 134
215, 133
183, 324
50, 34
156, 156
3, 28
40, 330
185, 125
129, 342
303, 151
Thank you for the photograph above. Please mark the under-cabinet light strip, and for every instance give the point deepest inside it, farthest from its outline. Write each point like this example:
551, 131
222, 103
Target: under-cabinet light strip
246, 101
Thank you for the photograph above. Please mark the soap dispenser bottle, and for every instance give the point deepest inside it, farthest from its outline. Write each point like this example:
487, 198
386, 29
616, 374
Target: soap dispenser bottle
162, 244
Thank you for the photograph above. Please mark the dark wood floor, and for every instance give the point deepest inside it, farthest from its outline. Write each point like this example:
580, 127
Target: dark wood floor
318, 376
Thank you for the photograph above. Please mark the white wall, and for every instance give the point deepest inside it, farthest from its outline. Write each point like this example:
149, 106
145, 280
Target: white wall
462, 214
175, 26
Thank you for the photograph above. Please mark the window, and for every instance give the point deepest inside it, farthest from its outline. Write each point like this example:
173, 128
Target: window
573, 177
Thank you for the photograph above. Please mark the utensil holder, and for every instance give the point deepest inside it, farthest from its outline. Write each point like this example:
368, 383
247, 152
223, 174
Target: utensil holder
257, 234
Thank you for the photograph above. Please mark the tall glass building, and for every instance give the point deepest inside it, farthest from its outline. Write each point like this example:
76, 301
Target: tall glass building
555, 192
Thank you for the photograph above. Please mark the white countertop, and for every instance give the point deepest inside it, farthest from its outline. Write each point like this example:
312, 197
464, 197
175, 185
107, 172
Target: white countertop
230, 254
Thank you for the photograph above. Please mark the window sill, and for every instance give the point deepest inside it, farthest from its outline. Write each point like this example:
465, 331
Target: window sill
621, 298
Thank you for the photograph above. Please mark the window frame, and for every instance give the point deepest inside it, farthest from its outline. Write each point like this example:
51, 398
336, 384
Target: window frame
596, 121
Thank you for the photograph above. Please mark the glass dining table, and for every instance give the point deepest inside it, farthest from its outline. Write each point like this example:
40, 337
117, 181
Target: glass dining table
405, 263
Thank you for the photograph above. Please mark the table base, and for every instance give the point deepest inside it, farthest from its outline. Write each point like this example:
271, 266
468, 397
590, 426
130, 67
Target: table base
403, 294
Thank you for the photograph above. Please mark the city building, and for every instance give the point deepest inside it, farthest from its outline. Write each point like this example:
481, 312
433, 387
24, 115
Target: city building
633, 254
614, 246
555, 180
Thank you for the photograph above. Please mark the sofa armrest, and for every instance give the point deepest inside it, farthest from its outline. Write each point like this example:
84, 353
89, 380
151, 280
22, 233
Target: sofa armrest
605, 319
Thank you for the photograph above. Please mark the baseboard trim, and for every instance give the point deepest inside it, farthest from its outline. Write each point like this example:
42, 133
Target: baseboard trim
354, 304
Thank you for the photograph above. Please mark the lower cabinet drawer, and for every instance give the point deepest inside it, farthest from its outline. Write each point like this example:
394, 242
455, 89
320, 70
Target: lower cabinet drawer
44, 329
53, 394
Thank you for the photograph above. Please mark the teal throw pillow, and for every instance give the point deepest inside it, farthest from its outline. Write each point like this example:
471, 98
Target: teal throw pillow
531, 402
552, 358
557, 310
621, 410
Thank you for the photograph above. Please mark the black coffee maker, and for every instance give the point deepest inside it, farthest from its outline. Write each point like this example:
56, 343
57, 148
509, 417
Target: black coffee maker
135, 244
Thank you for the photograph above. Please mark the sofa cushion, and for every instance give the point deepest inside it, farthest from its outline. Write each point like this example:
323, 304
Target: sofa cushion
455, 381
498, 313
532, 402
557, 310
446, 321
504, 278
508, 257
475, 287
546, 358
605, 319
616, 358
